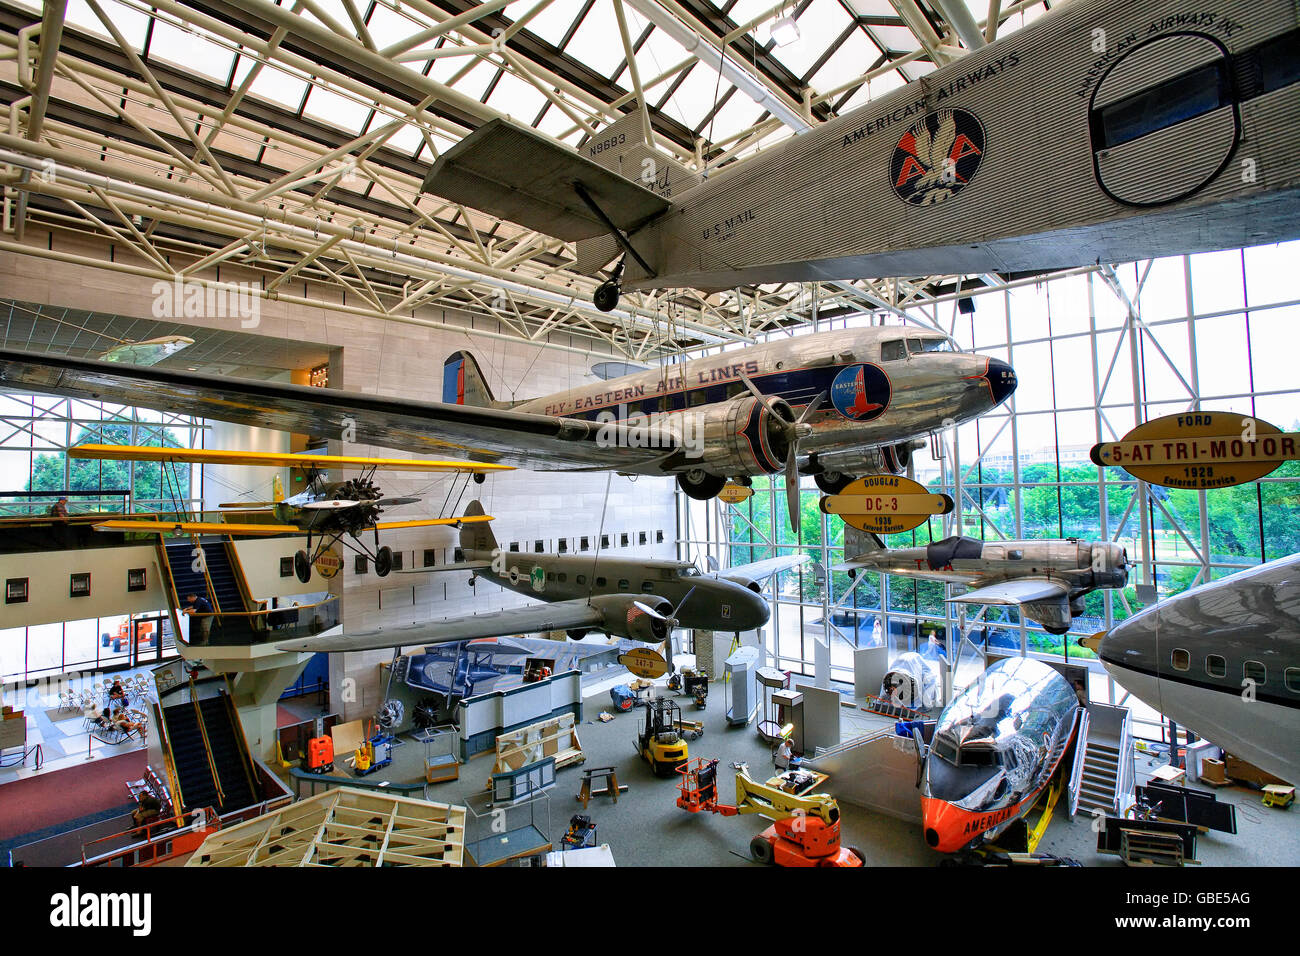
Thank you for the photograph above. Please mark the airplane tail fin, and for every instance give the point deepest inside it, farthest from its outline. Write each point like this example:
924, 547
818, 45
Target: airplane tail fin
463, 383
477, 536
860, 542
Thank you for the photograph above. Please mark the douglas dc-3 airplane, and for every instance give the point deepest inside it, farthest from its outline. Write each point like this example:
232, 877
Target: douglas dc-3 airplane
328, 510
1104, 131
1222, 659
1048, 580
836, 405
621, 597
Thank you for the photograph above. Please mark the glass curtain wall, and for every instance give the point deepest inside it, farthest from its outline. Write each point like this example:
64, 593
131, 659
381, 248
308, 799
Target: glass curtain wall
35, 433
1095, 352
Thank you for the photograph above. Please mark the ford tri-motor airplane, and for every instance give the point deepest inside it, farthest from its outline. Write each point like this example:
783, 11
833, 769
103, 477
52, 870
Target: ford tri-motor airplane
1223, 660
1105, 130
328, 510
1047, 580
837, 405
622, 597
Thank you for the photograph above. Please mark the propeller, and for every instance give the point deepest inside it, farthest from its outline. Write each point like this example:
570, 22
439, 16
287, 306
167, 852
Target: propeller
793, 432
329, 504
669, 623
394, 502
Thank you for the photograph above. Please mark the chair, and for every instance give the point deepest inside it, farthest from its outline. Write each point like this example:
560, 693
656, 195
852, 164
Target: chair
69, 700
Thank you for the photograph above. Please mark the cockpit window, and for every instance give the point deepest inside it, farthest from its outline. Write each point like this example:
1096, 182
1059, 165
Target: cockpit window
690, 572
892, 350
930, 345
945, 748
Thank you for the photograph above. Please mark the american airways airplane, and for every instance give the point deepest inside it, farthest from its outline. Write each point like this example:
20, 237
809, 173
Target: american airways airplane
1106, 130
1223, 659
837, 405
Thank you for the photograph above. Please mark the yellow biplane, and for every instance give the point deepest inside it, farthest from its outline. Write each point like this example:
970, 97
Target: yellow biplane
327, 510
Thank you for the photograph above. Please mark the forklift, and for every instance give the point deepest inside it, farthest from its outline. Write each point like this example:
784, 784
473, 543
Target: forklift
661, 743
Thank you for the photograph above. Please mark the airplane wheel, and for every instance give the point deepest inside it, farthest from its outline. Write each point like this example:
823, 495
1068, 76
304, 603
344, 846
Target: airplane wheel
479, 477
606, 297
302, 566
761, 850
700, 485
859, 854
383, 561
832, 482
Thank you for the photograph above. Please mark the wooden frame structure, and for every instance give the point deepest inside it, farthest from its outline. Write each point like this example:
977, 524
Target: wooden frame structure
343, 827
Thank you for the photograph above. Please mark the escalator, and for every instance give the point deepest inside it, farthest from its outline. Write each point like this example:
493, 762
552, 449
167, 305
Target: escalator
226, 594
197, 749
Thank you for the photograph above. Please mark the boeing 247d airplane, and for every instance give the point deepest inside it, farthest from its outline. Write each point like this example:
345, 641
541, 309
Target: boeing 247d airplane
837, 405
622, 597
1223, 660
1048, 580
1106, 130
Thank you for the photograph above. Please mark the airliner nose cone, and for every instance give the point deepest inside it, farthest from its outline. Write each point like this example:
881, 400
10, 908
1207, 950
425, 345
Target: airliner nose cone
1002, 380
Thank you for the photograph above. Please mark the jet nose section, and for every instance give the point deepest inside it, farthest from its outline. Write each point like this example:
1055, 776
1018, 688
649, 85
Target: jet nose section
1002, 380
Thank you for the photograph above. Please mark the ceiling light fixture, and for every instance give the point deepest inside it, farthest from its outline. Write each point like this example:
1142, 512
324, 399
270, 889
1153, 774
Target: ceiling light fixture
785, 31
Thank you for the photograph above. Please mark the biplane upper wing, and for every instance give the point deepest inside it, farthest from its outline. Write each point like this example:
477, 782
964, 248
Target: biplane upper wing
517, 174
430, 522
561, 615
540, 442
217, 456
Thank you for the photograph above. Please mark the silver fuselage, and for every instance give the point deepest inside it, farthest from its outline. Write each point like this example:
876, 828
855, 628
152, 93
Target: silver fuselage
1223, 660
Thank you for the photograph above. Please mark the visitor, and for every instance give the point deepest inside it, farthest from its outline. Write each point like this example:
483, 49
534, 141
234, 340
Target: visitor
59, 509
201, 606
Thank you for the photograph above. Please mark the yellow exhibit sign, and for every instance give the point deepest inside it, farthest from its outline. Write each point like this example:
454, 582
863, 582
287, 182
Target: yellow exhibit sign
1200, 450
644, 662
734, 494
886, 504
328, 563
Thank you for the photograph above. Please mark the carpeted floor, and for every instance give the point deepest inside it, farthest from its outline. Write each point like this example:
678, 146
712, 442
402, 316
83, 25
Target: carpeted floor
51, 798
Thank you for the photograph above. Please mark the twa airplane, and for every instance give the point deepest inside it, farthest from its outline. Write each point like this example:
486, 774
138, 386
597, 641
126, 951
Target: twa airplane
837, 405
995, 749
1106, 130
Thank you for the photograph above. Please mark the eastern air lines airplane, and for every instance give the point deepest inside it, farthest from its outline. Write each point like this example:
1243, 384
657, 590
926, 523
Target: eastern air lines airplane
837, 405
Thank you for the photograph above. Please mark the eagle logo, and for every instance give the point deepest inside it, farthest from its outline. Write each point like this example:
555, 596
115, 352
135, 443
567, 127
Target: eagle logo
860, 393
937, 157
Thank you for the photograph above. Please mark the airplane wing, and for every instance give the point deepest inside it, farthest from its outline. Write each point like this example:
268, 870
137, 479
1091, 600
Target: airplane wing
759, 570
540, 442
197, 527
518, 620
518, 175
461, 566
430, 522
1017, 591
217, 456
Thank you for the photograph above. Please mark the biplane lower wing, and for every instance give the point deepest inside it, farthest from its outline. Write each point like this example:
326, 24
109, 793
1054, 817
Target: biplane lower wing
517, 174
197, 527
540, 442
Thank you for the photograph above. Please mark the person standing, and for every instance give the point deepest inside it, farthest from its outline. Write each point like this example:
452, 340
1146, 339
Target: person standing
199, 608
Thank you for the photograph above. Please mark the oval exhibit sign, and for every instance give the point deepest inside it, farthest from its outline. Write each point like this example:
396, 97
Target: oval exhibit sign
1200, 450
886, 504
644, 662
734, 494
328, 563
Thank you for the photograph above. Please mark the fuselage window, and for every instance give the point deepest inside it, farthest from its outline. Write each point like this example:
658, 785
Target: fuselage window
647, 587
736, 388
1016, 555
1255, 671
562, 577
582, 579
1292, 677
699, 397
623, 584
893, 350
1181, 659
1179, 98
600, 582
1216, 666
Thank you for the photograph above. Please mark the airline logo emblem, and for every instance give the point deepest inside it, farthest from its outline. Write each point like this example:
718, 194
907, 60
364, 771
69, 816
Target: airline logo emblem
937, 157
538, 579
860, 392
328, 564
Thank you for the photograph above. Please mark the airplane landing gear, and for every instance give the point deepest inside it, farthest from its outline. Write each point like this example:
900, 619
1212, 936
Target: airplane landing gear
302, 566
699, 484
383, 561
479, 477
607, 293
832, 482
